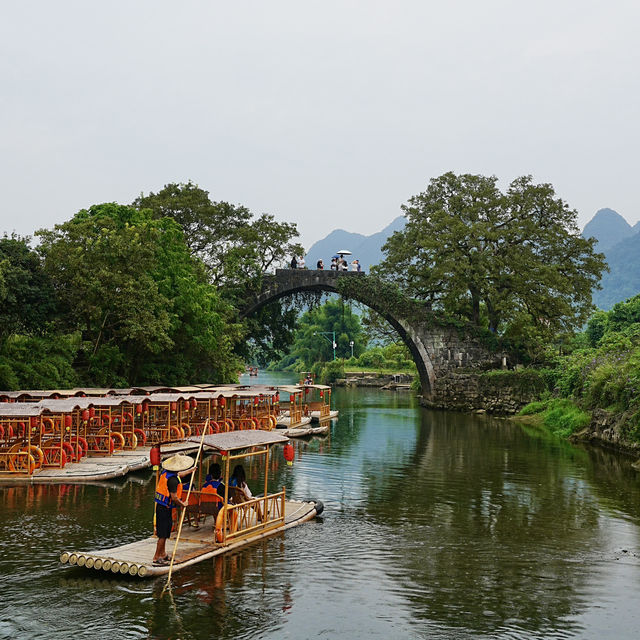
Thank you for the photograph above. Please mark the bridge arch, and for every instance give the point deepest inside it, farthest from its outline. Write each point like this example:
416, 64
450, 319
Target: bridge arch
287, 282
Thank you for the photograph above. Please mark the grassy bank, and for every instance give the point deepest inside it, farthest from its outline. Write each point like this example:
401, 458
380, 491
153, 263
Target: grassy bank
559, 416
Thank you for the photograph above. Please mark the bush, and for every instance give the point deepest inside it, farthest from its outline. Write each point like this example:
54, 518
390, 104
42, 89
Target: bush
331, 371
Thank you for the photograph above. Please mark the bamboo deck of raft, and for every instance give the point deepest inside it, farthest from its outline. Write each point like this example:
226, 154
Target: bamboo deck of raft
195, 545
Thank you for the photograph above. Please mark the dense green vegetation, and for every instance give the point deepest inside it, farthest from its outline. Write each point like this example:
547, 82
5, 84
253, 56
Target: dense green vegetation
513, 262
142, 294
602, 370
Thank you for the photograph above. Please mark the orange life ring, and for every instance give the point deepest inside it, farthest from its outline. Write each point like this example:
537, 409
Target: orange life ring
186, 430
273, 420
120, 438
232, 523
175, 431
255, 422
230, 425
127, 415
85, 445
49, 421
69, 451
38, 455
17, 463
141, 435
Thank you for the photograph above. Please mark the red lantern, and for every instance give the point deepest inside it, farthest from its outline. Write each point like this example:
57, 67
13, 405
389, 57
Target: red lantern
67, 421
214, 403
33, 421
276, 398
223, 402
138, 409
92, 412
154, 455
145, 406
289, 453
85, 415
187, 404
306, 391
174, 407
194, 403
322, 394
255, 402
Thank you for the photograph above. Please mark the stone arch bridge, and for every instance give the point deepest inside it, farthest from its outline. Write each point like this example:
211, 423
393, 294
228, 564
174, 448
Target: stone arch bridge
435, 347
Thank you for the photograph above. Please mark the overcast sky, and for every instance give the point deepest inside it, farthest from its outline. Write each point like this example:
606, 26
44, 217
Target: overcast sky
329, 114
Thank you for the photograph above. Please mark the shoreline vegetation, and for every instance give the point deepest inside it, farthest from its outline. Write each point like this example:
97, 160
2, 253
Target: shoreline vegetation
593, 390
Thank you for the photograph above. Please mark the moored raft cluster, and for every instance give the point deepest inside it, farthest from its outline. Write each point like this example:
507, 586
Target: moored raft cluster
42, 430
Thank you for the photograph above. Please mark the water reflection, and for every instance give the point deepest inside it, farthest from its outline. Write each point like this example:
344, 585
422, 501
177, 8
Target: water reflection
438, 525
484, 526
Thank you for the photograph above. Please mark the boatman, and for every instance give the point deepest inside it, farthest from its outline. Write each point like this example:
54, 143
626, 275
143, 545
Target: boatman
168, 496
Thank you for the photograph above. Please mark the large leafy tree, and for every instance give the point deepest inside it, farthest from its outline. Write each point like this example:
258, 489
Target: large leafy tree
314, 337
146, 313
514, 262
27, 297
237, 248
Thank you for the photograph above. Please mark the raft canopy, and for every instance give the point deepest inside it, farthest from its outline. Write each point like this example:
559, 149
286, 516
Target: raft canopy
234, 440
19, 409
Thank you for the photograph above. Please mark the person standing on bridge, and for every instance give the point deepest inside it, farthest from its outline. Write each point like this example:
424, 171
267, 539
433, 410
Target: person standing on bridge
334, 264
294, 263
320, 265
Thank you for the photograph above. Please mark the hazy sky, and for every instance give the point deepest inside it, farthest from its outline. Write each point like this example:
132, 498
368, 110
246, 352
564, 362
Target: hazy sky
330, 114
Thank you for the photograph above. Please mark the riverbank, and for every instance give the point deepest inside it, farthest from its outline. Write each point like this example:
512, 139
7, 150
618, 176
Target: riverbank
387, 381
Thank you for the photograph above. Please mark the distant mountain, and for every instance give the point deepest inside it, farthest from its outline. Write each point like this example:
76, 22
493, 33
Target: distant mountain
623, 279
368, 249
608, 227
620, 242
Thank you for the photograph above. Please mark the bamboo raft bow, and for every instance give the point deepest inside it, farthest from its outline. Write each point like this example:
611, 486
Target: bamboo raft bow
184, 510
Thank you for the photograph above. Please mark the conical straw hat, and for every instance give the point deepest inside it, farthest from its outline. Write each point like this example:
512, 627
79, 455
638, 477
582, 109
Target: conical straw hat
179, 462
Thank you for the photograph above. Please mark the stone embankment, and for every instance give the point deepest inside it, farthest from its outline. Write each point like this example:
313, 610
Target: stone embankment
393, 381
609, 430
505, 393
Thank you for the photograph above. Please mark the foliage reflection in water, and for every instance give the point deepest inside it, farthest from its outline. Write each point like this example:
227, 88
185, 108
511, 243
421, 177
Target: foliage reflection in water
436, 524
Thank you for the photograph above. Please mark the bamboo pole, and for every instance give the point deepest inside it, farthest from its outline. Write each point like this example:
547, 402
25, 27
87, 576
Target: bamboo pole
184, 510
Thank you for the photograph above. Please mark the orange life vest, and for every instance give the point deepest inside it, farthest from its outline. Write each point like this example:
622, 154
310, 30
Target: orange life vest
210, 492
163, 496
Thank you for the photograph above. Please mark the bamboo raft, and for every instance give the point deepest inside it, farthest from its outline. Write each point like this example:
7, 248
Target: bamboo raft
135, 559
240, 519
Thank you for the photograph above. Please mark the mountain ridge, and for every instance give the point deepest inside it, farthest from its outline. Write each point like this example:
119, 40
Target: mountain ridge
616, 238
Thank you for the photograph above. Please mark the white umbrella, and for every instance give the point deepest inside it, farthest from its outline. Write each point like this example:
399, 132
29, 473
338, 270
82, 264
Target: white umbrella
344, 252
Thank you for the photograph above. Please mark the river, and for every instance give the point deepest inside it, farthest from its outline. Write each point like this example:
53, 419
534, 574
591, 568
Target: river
436, 524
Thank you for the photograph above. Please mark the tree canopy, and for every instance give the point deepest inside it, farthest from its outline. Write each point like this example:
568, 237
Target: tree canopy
513, 262
237, 248
314, 336
146, 313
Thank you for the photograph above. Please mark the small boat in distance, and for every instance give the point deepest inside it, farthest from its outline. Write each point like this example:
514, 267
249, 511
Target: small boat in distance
223, 525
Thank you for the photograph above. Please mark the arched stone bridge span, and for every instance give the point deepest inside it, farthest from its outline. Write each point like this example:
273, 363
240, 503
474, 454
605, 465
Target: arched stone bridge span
435, 347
